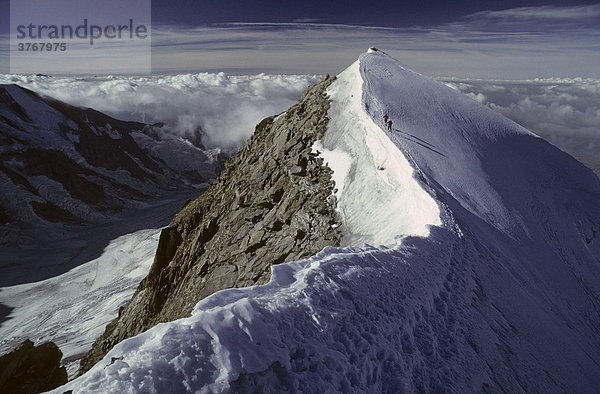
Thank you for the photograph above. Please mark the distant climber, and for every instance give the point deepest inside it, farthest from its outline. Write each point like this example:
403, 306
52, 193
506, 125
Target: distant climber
385, 118
389, 125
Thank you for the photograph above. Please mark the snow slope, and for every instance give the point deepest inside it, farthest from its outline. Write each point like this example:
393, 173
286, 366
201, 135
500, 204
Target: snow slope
378, 197
502, 295
72, 309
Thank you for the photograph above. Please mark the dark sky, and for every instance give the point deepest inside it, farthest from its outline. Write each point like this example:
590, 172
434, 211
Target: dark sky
363, 12
553, 38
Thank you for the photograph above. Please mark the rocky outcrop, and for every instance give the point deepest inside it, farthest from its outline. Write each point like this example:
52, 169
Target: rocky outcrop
32, 369
272, 203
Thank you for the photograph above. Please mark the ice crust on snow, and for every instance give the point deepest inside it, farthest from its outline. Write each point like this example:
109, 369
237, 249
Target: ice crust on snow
501, 296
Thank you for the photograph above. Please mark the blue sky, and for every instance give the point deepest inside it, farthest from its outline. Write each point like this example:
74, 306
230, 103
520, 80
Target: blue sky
385, 13
482, 39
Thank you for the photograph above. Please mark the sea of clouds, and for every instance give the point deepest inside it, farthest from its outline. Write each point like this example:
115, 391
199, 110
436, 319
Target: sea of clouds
224, 107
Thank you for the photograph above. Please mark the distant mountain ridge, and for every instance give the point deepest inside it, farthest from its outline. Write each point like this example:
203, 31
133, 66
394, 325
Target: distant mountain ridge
62, 167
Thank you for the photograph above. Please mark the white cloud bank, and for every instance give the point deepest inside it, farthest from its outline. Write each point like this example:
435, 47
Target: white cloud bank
226, 108
564, 111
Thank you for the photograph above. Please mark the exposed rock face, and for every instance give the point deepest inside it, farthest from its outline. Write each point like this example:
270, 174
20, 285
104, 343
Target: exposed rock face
271, 204
32, 369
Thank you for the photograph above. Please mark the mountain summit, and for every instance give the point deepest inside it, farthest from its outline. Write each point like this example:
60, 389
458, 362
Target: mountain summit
469, 258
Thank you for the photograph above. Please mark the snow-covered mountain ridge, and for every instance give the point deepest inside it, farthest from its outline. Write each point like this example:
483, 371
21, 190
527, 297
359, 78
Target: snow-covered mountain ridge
271, 203
500, 293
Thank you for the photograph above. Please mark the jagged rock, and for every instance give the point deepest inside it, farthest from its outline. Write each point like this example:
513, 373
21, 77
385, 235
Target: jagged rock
32, 369
271, 203
167, 246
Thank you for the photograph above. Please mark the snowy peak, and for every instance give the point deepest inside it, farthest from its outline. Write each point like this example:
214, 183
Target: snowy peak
491, 166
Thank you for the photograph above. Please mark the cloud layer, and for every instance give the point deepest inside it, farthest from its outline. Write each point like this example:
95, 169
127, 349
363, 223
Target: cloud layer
564, 111
226, 108
518, 43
